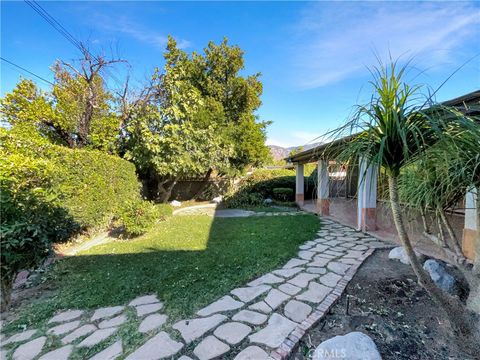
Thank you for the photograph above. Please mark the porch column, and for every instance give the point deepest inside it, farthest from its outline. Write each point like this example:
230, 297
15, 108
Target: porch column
299, 184
323, 201
471, 229
367, 197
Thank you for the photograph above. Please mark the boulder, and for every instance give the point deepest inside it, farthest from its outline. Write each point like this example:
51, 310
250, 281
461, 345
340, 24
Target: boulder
175, 203
217, 200
352, 346
399, 253
441, 277
267, 201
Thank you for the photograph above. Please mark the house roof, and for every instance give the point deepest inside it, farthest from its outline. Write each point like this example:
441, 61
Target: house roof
463, 103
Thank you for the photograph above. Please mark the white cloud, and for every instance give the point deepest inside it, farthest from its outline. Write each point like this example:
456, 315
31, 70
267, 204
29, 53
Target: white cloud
295, 138
334, 41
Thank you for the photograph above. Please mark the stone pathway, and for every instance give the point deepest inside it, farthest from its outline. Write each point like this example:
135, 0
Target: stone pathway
211, 210
264, 319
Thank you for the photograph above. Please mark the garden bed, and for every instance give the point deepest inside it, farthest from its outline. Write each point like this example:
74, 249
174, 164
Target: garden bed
386, 303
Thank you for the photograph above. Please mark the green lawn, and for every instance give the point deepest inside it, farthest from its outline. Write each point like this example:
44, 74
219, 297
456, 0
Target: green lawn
188, 261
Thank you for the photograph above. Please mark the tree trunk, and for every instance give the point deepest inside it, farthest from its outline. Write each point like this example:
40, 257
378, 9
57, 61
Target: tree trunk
424, 221
451, 234
441, 233
6, 294
165, 188
204, 184
463, 322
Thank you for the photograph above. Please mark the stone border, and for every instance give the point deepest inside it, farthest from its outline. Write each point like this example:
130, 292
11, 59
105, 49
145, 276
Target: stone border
293, 339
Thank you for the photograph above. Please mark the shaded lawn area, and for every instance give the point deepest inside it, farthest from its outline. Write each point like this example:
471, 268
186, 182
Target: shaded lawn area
188, 261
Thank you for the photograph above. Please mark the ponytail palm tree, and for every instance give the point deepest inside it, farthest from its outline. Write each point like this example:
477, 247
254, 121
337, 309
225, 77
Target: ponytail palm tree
393, 129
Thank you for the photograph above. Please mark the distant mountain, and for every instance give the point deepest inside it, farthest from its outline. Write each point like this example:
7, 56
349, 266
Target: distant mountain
279, 153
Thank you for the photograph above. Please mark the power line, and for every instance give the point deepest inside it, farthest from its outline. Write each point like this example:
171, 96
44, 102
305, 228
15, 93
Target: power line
28, 71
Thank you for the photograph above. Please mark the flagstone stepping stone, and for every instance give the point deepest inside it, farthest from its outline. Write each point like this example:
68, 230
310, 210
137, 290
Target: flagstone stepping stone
348, 261
355, 254
347, 245
195, 328
226, 303
158, 347
320, 248
106, 312
360, 247
60, 354
325, 256
294, 263
148, 308
297, 311
232, 332
152, 322
64, 328
287, 273
184, 357
144, 300
66, 316
210, 348
261, 306
116, 321
251, 317
306, 255
330, 279
275, 332
266, 279
319, 262
338, 267
97, 337
81, 331
315, 293
335, 252
289, 289
316, 270
302, 280
247, 294
305, 247
275, 298
25, 335
110, 353
30, 349
252, 353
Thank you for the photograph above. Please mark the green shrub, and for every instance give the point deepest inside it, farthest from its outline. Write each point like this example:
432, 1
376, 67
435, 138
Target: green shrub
138, 216
243, 199
283, 194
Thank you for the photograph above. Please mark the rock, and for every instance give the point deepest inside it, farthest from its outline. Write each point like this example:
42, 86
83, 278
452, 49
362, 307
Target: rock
30, 349
81, 331
251, 317
337, 267
217, 200
159, 347
195, 328
287, 273
175, 203
319, 248
60, 354
66, 316
306, 255
106, 312
315, 293
319, 262
441, 277
143, 300
184, 357
266, 279
330, 279
294, 263
232, 332
316, 270
262, 307
152, 322
297, 311
252, 353
25, 335
97, 337
64, 328
148, 308
352, 346
210, 348
267, 201
247, 294
226, 303
399, 253
110, 353
116, 321
302, 280
289, 289
275, 332
275, 298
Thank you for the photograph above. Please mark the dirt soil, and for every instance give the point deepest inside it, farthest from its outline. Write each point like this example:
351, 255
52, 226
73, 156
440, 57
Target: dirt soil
385, 302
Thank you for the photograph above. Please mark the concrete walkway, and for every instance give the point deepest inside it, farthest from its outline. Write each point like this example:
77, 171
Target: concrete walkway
264, 319
211, 210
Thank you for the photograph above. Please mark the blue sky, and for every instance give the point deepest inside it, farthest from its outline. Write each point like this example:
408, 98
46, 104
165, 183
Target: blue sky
313, 56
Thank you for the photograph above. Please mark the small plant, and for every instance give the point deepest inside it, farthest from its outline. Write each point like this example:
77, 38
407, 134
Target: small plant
243, 199
283, 194
138, 216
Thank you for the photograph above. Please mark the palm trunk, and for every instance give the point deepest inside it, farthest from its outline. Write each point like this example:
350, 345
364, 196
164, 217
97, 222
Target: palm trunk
441, 233
424, 221
451, 234
462, 322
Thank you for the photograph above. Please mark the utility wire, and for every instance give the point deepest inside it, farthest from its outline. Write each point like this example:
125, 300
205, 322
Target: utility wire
28, 71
